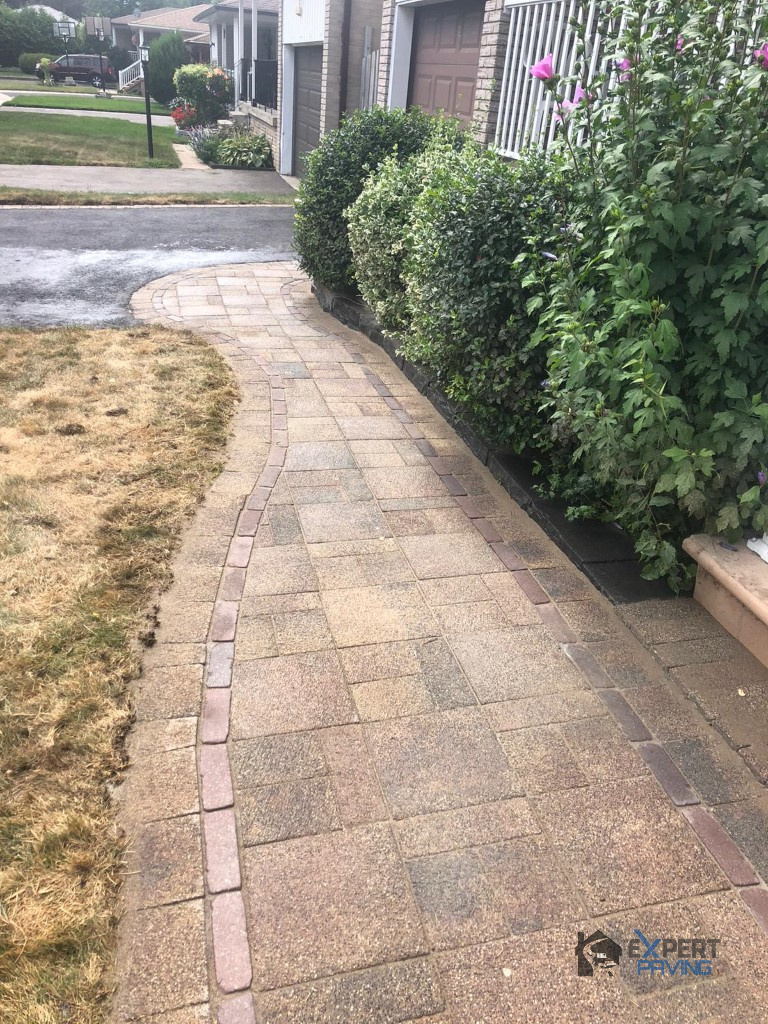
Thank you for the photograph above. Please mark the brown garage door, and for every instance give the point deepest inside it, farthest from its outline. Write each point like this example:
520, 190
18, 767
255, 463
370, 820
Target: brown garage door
445, 57
306, 115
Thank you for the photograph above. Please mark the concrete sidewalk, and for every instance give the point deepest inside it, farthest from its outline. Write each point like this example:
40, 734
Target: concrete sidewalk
395, 758
164, 120
140, 179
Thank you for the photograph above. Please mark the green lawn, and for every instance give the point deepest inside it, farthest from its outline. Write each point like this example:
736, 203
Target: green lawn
97, 141
94, 102
15, 83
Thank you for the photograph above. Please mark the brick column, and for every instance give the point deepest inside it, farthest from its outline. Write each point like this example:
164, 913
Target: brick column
329, 101
387, 25
493, 46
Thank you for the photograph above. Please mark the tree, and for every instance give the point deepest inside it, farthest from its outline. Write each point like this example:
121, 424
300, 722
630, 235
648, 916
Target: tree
25, 31
166, 54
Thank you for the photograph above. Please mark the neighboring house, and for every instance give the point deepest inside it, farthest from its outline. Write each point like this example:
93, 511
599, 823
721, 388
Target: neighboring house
316, 59
133, 30
248, 48
445, 56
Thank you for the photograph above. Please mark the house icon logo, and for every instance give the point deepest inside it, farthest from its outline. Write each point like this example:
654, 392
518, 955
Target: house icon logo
596, 950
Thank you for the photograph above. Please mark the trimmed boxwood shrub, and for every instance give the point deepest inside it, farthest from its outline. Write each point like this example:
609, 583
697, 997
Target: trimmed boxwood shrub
379, 220
28, 61
465, 301
335, 174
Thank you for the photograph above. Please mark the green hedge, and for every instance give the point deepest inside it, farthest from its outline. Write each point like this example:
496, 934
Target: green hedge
335, 174
378, 225
28, 61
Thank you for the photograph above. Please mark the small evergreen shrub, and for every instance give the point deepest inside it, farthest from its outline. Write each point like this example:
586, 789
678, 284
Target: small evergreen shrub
378, 224
28, 61
465, 299
166, 54
335, 174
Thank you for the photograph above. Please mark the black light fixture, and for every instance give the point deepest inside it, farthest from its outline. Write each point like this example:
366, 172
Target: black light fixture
144, 58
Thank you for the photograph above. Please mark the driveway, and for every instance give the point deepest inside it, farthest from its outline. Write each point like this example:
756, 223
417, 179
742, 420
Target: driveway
77, 265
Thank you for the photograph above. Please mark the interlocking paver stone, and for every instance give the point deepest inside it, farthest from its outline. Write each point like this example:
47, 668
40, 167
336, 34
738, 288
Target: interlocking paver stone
609, 834
289, 693
323, 905
523, 661
438, 761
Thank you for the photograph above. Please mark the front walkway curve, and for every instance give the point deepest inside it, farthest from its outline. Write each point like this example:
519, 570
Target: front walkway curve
388, 764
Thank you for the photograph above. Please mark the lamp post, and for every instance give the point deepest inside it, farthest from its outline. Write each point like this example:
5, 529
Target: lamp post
100, 37
144, 58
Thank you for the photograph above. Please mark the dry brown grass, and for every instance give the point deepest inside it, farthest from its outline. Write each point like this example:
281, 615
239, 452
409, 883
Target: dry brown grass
88, 522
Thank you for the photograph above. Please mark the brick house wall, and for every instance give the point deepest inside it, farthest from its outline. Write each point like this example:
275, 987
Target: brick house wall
490, 71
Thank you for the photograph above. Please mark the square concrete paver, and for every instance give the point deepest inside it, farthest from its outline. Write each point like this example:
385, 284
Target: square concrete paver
404, 482
533, 890
626, 846
165, 862
438, 761
289, 694
451, 554
522, 661
350, 521
405, 991
458, 903
328, 904
364, 615
163, 958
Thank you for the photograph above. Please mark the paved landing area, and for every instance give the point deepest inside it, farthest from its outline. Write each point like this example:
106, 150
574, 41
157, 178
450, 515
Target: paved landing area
394, 758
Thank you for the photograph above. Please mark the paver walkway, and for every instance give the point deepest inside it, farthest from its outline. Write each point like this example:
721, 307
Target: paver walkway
393, 754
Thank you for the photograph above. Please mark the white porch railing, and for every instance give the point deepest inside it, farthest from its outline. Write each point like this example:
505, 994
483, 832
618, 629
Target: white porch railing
130, 74
539, 27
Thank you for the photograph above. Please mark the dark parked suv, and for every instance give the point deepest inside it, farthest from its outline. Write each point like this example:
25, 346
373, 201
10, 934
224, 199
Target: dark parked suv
83, 67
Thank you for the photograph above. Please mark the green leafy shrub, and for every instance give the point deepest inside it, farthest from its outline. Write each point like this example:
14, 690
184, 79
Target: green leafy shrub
379, 220
166, 54
208, 90
466, 303
335, 174
244, 148
655, 311
28, 61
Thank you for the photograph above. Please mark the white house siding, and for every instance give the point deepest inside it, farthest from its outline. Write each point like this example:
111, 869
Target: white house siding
304, 28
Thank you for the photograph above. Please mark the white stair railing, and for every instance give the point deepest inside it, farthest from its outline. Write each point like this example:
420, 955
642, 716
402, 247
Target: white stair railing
130, 74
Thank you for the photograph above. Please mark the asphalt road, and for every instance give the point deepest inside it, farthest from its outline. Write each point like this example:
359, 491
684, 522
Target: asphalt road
79, 265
